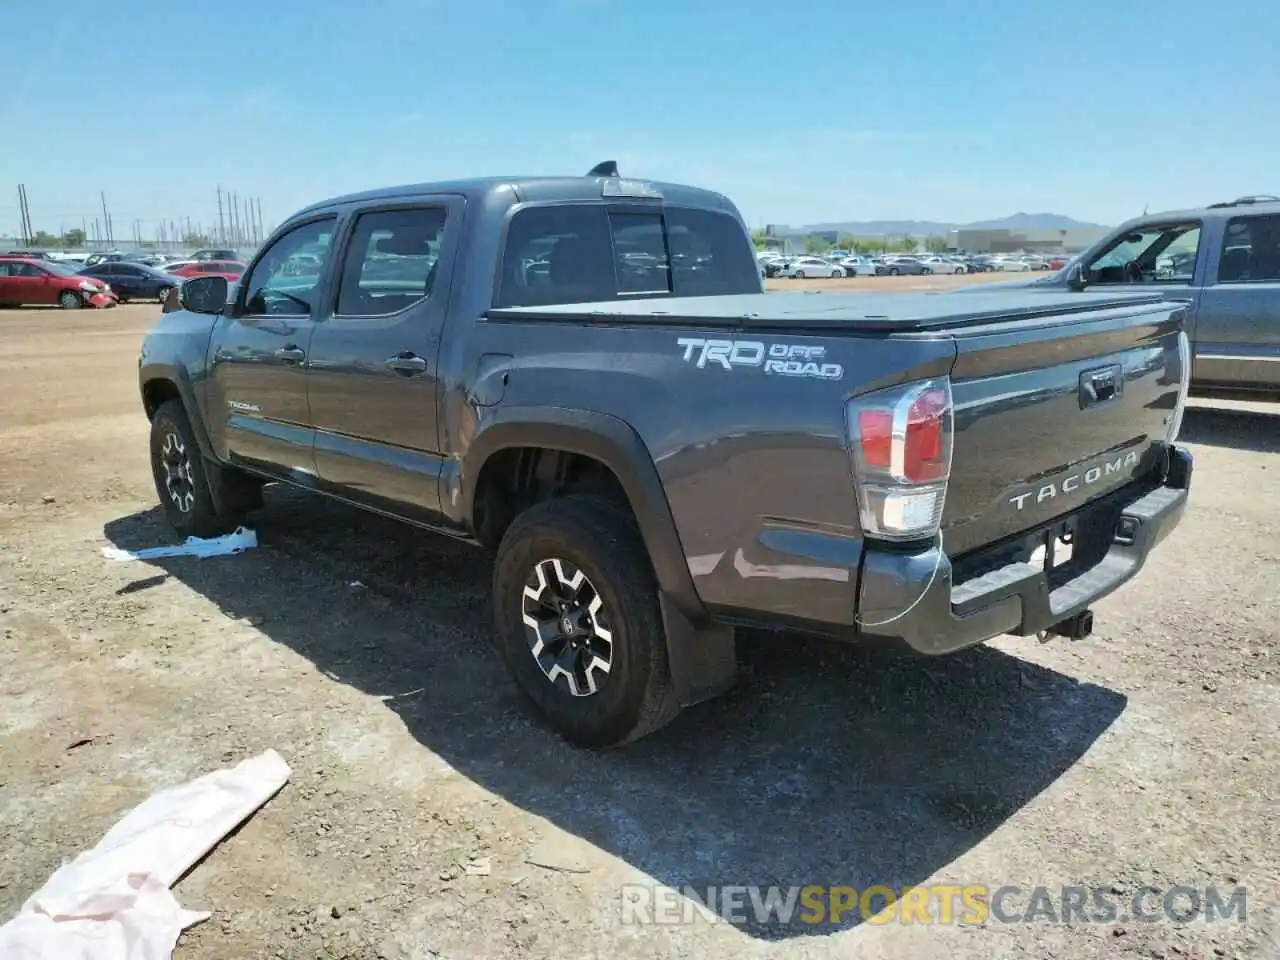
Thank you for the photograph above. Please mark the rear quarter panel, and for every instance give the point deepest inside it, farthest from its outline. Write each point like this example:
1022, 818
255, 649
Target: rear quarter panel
754, 465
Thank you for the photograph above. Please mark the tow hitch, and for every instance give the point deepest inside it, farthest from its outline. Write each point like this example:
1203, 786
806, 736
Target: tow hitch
1073, 628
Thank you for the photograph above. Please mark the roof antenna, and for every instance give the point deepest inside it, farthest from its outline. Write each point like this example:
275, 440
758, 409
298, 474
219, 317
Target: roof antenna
609, 168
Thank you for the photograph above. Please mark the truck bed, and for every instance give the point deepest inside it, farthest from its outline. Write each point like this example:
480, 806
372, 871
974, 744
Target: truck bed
822, 312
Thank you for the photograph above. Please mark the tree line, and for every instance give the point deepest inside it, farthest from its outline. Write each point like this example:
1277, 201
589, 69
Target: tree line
76, 239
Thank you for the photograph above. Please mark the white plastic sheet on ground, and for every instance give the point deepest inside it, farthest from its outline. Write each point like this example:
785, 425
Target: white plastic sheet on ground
240, 540
113, 902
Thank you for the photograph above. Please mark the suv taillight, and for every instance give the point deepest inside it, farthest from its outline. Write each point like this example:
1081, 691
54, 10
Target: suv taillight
901, 441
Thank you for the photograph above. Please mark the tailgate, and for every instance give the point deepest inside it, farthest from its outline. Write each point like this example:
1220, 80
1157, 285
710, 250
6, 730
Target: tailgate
1054, 412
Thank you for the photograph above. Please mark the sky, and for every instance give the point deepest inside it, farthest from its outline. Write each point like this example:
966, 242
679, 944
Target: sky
826, 110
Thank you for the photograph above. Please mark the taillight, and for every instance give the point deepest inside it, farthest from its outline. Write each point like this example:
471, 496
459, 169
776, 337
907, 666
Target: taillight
901, 441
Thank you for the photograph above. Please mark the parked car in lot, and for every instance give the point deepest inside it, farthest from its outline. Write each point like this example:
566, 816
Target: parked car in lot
800, 268
944, 265
231, 269
1225, 260
1010, 264
858, 266
134, 281
905, 266
215, 253
886, 468
26, 281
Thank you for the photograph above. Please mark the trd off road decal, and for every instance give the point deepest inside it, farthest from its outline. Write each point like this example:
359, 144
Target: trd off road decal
787, 359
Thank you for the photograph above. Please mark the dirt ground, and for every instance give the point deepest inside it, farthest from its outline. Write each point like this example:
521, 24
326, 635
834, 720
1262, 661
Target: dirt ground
428, 817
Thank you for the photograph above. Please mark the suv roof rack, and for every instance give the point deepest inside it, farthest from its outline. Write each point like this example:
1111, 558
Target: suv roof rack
606, 168
1244, 201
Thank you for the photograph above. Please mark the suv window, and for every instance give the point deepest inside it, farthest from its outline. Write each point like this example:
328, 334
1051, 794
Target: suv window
578, 253
1158, 253
1250, 250
270, 288
390, 263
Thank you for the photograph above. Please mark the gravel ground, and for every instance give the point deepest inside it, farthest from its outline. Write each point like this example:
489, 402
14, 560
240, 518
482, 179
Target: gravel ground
427, 816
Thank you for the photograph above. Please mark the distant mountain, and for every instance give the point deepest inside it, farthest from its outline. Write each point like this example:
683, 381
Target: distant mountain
924, 228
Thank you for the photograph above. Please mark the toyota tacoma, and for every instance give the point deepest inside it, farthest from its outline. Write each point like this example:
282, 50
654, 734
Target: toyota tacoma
584, 375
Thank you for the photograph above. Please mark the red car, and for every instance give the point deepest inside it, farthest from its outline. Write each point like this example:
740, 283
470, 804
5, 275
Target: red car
231, 269
25, 280
1057, 263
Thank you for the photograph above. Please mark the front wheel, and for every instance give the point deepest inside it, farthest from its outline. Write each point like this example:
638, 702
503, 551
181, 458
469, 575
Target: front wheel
893, 271
799, 274
577, 620
182, 479
925, 272
70, 300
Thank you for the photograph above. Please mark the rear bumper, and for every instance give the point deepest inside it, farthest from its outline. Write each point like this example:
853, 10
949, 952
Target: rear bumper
912, 599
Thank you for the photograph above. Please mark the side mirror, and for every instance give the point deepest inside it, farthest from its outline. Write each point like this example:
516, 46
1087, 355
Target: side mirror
1076, 279
204, 294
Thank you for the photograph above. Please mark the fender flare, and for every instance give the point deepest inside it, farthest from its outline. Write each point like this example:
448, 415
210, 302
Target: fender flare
614, 443
177, 375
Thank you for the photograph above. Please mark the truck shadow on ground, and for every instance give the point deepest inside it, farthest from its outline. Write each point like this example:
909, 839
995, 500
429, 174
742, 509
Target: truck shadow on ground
1253, 430
828, 764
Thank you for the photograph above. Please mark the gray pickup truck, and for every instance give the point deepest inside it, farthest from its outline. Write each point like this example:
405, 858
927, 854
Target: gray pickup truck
584, 375
1224, 260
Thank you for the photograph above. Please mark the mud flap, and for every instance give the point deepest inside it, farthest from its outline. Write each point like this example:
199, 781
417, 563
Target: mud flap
702, 660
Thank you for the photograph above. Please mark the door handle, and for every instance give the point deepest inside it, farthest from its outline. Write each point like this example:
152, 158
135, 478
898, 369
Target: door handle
291, 354
407, 363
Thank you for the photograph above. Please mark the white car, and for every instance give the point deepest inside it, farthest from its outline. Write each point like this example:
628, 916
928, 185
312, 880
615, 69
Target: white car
858, 266
803, 267
1012, 264
942, 265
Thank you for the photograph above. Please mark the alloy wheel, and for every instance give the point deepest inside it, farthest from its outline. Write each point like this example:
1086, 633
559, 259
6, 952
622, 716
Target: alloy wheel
568, 628
177, 473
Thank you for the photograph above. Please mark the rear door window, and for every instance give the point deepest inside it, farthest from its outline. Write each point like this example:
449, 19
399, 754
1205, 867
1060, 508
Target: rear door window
1250, 250
580, 253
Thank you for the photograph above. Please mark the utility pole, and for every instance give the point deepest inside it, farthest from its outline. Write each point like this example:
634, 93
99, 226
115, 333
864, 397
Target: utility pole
222, 229
250, 233
106, 217
235, 220
24, 216
262, 232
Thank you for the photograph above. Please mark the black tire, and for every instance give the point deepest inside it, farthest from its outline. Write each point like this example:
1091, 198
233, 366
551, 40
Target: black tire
799, 274
599, 539
893, 271
70, 300
182, 477
961, 270
926, 271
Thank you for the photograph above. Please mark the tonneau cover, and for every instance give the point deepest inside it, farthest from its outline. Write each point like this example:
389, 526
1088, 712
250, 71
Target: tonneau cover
885, 312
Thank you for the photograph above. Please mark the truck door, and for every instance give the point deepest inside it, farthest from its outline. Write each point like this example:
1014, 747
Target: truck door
257, 391
372, 378
1172, 257
1237, 341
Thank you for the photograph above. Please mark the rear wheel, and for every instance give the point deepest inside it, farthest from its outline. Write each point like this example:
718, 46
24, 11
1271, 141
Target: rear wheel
799, 274
893, 271
577, 620
925, 271
70, 300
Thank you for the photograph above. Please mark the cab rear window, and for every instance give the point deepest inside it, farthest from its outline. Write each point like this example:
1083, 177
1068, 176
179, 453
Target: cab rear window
581, 253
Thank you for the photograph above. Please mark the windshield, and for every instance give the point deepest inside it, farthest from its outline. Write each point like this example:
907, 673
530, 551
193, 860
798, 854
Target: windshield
58, 269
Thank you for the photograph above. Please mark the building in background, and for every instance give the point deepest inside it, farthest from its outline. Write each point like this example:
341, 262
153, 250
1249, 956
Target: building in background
1070, 240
